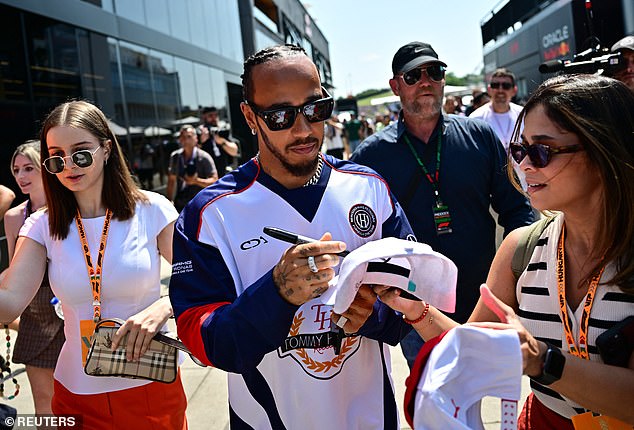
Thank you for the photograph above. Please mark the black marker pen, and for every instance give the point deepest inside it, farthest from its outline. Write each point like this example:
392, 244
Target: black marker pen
293, 238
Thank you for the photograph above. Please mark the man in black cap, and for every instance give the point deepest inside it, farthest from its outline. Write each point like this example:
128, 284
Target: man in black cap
626, 47
445, 171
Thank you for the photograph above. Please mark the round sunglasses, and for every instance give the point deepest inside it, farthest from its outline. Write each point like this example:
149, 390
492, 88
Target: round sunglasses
82, 159
539, 154
284, 118
436, 73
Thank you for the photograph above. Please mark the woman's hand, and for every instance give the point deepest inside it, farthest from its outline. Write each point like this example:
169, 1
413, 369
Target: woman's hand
359, 311
532, 349
142, 327
391, 296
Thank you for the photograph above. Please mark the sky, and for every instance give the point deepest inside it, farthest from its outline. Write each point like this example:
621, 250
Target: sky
364, 35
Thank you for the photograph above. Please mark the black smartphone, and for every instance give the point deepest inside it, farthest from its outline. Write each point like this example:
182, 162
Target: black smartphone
617, 343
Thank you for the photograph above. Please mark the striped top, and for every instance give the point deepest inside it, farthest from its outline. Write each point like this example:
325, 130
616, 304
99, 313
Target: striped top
539, 310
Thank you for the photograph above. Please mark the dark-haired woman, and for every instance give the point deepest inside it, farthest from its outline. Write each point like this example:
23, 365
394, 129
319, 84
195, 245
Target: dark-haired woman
113, 270
577, 151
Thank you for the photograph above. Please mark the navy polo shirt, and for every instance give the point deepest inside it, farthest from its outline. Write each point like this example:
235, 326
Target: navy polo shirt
472, 178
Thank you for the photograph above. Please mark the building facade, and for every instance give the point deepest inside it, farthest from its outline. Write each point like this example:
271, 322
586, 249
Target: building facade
522, 34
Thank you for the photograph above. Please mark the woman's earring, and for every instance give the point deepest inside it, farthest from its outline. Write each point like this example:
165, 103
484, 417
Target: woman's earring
253, 131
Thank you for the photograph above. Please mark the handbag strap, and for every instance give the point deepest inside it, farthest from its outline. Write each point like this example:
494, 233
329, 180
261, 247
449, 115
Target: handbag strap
159, 337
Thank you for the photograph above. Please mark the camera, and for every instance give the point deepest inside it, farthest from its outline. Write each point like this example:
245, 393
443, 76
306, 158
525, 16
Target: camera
589, 61
190, 169
222, 130
616, 344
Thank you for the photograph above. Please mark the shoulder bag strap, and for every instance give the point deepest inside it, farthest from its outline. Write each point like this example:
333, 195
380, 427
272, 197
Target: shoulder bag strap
526, 244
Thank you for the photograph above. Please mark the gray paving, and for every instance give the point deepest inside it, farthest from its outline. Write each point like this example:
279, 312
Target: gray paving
206, 390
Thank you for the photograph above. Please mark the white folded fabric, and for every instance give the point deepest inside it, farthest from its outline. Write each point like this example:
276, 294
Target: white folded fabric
468, 364
411, 266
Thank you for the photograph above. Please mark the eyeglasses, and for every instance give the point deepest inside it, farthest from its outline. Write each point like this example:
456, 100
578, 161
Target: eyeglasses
436, 73
82, 159
504, 85
539, 154
284, 118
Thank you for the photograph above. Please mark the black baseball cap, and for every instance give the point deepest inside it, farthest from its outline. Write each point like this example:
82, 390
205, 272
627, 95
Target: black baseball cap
412, 55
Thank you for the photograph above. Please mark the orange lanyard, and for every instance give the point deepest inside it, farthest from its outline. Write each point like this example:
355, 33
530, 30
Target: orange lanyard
95, 275
582, 349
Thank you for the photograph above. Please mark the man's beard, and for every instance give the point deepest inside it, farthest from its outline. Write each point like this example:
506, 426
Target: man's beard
298, 170
428, 109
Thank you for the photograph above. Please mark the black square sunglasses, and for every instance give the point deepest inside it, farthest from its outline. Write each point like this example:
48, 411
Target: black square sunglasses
284, 118
539, 154
504, 85
436, 73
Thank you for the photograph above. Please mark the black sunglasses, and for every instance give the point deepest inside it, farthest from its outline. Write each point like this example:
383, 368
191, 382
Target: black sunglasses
82, 158
436, 73
284, 118
504, 85
539, 154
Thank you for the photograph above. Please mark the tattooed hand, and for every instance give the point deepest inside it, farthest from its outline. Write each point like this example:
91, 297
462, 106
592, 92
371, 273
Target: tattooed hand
294, 280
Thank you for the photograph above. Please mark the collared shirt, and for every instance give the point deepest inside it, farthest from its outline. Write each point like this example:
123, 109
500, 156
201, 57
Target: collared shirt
472, 178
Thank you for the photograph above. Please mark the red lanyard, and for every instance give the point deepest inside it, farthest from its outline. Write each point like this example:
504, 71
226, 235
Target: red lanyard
582, 349
95, 275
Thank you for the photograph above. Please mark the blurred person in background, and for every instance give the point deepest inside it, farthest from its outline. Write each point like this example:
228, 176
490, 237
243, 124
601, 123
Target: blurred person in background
190, 170
6, 198
216, 141
500, 113
333, 137
41, 331
626, 47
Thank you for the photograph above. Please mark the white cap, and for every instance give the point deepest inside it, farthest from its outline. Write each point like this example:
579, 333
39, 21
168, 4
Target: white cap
414, 267
468, 364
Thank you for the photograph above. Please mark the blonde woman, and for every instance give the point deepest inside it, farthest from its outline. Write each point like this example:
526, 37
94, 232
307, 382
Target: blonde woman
41, 333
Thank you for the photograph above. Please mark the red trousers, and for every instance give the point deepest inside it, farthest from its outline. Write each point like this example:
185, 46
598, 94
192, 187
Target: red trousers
155, 406
536, 416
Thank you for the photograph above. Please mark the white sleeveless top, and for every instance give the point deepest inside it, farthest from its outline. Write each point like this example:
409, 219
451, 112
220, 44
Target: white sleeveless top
539, 310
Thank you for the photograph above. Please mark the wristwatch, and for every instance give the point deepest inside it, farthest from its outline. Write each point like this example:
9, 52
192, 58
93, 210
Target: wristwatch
553, 366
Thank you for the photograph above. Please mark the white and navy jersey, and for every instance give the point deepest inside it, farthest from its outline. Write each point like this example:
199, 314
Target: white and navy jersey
284, 370
539, 310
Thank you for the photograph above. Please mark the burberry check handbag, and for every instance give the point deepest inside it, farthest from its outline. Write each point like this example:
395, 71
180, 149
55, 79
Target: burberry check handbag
159, 363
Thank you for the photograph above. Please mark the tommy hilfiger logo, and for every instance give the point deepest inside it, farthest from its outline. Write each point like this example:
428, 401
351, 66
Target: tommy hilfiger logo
362, 220
313, 346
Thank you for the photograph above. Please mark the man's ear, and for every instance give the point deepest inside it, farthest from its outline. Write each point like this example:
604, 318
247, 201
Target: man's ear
394, 86
249, 116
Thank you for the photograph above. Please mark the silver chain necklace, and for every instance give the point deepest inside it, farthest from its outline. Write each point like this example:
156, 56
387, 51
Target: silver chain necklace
315, 178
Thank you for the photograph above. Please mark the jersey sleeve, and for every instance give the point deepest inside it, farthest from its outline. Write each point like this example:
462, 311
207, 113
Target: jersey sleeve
221, 328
